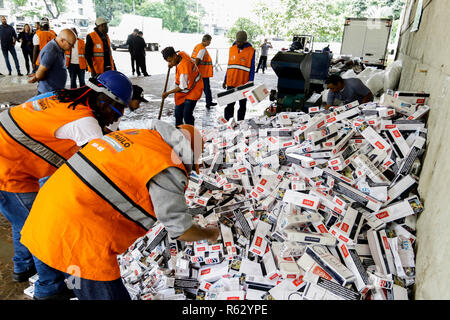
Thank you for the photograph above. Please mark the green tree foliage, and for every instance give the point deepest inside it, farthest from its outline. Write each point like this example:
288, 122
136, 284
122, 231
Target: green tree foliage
253, 30
177, 15
55, 7
322, 19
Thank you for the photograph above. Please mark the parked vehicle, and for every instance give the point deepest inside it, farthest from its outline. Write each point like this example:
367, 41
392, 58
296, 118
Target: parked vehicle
367, 39
151, 27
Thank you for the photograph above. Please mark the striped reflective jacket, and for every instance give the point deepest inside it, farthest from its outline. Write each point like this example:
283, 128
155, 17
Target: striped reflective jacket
97, 204
239, 66
194, 88
29, 149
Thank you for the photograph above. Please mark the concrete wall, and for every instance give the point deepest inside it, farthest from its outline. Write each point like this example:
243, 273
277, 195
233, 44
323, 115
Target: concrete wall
426, 67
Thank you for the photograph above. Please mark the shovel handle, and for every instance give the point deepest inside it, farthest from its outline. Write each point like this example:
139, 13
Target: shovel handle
162, 101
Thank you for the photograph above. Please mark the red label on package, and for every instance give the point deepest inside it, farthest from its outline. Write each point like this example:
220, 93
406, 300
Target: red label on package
258, 241
344, 227
307, 202
321, 273
396, 134
322, 228
382, 215
341, 237
379, 145
233, 298
344, 251
227, 244
386, 244
206, 271
207, 286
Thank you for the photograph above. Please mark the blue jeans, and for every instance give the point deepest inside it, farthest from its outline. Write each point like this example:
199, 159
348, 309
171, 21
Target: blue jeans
207, 91
16, 208
185, 111
12, 50
74, 73
86, 289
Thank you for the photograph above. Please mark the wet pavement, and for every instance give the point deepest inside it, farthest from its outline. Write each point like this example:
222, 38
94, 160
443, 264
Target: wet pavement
15, 90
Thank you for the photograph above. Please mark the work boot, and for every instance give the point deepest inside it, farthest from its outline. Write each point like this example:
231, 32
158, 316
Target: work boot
9, 73
212, 104
19, 74
66, 294
24, 276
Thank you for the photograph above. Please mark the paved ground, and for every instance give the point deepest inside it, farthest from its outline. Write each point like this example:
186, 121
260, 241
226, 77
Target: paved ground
15, 90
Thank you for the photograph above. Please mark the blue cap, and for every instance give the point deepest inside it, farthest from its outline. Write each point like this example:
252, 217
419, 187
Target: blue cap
115, 85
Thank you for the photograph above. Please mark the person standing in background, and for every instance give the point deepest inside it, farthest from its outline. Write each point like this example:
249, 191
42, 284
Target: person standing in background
98, 51
264, 54
204, 62
8, 39
42, 36
130, 42
76, 62
241, 70
26, 40
139, 47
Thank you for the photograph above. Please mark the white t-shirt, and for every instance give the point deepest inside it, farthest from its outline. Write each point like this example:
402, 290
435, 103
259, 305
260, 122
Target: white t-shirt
35, 40
81, 131
183, 81
75, 59
201, 54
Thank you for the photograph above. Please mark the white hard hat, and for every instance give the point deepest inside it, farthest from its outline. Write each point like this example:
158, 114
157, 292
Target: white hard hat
100, 21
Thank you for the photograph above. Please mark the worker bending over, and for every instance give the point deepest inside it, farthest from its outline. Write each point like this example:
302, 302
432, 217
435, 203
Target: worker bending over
107, 196
241, 69
189, 85
204, 62
347, 90
36, 138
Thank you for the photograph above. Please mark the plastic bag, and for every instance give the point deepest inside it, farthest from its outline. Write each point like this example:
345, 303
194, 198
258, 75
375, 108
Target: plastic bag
392, 75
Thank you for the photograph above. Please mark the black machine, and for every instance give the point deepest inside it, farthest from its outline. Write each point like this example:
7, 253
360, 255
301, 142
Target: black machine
301, 73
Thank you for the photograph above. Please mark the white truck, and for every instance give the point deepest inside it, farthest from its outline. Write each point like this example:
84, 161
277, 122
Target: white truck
367, 39
150, 27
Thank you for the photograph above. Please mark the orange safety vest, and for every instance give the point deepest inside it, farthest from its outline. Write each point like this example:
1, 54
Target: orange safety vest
97, 204
239, 65
44, 38
195, 86
81, 57
205, 66
99, 53
29, 149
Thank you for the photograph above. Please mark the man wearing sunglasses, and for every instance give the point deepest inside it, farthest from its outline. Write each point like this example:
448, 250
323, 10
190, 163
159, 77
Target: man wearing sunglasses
52, 73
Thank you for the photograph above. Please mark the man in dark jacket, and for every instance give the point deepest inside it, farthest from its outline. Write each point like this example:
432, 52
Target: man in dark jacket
130, 42
139, 46
8, 38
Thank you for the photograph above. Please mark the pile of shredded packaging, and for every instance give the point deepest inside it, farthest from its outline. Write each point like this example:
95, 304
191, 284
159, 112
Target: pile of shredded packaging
311, 206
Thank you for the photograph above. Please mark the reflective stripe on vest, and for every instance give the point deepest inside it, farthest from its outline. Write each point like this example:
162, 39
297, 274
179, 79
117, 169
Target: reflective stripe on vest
107, 190
16, 133
199, 76
236, 66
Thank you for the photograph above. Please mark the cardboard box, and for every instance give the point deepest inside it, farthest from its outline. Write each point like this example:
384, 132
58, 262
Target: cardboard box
411, 97
330, 264
301, 199
353, 263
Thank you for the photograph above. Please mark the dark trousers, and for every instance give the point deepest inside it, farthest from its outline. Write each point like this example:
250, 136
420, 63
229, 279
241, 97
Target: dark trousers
207, 91
97, 290
185, 112
133, 62
11, 50
140, 65
74, 73
229, 109
262, 63
28, 56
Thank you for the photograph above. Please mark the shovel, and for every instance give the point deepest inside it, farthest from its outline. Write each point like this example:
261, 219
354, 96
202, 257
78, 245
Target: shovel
162, 101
